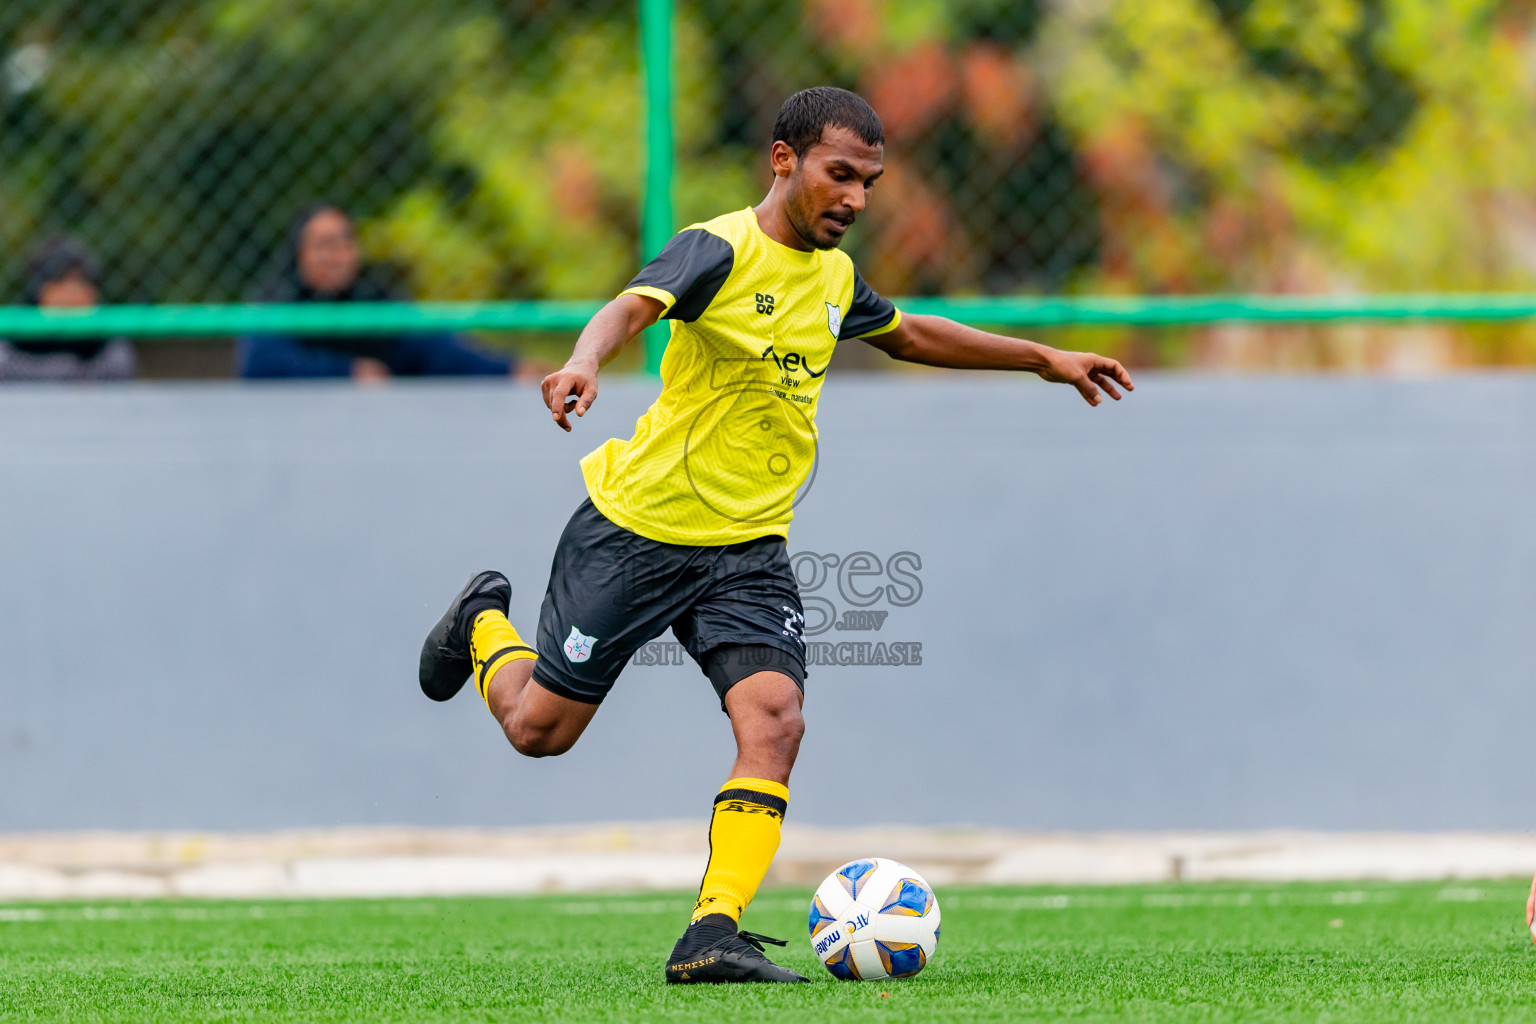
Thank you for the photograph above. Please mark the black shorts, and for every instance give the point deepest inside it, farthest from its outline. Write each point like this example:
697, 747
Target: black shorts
735, 609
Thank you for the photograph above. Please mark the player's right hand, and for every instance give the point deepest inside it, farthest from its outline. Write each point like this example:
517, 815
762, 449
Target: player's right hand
570, 389
1088, 372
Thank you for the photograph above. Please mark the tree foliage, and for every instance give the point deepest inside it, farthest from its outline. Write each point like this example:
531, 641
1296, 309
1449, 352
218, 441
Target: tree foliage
493, 149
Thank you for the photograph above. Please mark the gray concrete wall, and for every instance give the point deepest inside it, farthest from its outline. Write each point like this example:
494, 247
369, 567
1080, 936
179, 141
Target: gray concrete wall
1223, 603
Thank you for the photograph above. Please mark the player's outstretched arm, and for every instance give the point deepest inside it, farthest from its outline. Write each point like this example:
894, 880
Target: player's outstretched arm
936, 341
610, 330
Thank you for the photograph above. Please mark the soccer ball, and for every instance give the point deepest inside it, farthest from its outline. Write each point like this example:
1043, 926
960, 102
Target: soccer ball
874, 919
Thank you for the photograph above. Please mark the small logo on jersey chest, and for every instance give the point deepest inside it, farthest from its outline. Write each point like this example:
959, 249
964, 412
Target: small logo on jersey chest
765, 303
834, 319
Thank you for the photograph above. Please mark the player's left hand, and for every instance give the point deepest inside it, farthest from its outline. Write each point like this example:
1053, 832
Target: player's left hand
1088, 373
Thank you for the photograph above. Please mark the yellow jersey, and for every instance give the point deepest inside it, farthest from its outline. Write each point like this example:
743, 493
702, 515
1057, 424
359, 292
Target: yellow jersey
729, 445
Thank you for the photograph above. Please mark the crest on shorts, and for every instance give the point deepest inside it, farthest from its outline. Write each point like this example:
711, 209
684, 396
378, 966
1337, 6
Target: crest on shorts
578, 646
834, 319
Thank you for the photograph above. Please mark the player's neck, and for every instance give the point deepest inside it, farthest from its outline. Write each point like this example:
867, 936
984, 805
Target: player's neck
774, 222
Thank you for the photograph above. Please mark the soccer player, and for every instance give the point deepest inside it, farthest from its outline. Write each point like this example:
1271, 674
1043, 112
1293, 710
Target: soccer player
685, 523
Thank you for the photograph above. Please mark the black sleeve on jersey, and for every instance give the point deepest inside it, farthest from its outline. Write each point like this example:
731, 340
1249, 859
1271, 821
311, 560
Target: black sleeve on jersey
692, 267
869, 312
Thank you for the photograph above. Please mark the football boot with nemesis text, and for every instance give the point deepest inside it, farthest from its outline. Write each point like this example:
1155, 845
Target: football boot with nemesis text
713, 951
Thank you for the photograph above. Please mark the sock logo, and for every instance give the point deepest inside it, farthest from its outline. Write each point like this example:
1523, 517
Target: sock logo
749, 807
578, 646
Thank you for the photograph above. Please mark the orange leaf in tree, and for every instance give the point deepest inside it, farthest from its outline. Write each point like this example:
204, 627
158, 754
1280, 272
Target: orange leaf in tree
998, 92
912, 91
918, 248
577, 189
853, 27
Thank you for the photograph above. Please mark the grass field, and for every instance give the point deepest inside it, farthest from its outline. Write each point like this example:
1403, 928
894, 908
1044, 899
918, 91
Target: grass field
1335, 953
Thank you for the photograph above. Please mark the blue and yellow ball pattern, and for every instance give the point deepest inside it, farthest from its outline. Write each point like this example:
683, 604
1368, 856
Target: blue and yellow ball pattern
874, 918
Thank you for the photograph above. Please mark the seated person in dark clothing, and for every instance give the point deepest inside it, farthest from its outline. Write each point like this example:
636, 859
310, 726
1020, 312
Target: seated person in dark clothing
63, 274
322, 264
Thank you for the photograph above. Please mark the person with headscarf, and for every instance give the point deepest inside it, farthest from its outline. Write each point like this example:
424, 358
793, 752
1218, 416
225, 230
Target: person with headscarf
322, 262
63, 273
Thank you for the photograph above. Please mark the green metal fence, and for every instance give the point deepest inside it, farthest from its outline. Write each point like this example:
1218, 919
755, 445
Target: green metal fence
535, 152
203, 321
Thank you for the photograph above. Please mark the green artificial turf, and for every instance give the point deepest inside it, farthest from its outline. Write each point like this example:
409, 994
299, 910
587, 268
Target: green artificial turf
1334, 953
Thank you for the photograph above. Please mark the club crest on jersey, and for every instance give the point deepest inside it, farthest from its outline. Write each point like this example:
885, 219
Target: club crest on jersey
578, 646
834, 319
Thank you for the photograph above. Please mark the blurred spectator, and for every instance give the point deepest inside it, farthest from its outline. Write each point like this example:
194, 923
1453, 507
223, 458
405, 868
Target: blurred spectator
64, 274
321, 263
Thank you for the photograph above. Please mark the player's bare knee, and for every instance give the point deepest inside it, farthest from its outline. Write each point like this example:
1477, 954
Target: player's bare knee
779, 726
536, 741
792, 726
539, 744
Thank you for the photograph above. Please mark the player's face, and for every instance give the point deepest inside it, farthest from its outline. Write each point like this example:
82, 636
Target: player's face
829, 186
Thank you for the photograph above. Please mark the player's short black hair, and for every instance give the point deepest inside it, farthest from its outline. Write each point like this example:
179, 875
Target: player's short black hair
809, 112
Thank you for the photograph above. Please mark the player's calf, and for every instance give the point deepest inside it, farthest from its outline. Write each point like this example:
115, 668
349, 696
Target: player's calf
768, 724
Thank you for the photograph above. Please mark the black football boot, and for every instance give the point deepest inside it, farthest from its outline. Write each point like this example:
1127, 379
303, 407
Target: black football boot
713, 951
445, 660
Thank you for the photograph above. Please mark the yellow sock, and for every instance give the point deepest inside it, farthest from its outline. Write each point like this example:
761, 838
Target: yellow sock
743, 837
492, 643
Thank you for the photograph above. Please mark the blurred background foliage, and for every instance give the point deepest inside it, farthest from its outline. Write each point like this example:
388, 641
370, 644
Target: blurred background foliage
493, 149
